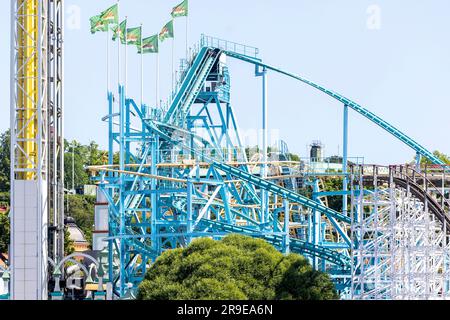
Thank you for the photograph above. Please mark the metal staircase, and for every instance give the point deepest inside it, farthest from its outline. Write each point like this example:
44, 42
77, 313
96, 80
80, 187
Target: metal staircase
192, 83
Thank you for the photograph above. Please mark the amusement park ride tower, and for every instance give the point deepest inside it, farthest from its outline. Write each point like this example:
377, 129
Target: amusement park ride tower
37, 145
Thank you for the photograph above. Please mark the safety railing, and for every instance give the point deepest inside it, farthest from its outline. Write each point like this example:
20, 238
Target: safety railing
208, 41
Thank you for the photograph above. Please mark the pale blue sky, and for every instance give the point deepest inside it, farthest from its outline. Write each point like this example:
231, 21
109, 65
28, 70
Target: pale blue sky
400, 72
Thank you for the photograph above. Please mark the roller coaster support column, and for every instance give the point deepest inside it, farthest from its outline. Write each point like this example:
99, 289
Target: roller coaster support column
154, 185
110, 174
345, 161
286, 227
189, 212
418, 161
315, 224
264, 194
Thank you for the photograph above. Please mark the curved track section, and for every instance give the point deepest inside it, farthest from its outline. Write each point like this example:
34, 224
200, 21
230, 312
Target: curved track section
407, 183
361, 110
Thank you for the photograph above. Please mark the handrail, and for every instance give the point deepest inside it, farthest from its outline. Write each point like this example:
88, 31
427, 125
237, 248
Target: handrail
208, 41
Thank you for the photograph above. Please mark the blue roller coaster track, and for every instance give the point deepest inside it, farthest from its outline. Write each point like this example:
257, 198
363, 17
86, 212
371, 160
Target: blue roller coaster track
184, 173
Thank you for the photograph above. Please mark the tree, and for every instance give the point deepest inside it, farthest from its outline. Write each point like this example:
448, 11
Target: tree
75, 159
68, 243
301, 282
294, 157
83, 156
235, 268
334, 184
4, 232
5, 163
81, 208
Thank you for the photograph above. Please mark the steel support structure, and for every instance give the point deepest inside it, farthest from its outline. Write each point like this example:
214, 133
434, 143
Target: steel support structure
401, 243
37, 144
56, 127
184, 173
29, 149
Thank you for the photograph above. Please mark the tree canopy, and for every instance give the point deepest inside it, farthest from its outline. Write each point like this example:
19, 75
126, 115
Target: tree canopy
4, 232
81, 208
81, 156
235, 268
5, 162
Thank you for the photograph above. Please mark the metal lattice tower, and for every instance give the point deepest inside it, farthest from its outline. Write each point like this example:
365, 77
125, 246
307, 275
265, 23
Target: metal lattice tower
36, 139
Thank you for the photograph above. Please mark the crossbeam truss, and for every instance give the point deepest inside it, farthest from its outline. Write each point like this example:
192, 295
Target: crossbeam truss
401, 246
184, 173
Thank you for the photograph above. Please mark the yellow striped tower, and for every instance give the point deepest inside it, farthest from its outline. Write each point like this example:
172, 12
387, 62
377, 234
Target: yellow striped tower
36, 135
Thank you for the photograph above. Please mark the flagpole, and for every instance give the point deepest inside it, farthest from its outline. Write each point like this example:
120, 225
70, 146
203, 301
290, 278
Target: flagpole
187, 37
126, 53
142, 71
118, 49
157, 79
107, 62
173, 69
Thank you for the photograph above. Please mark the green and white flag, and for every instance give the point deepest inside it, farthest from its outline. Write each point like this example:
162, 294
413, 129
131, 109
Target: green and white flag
149, 45
134, 36
119, 31
98, 25
181, 10
111, 15
167, 31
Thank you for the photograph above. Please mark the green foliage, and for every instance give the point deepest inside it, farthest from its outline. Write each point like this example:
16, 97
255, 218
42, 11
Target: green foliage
301, 282
294, 157
334, 184
4, 232
4, 198
5, 163
68, 244
235, 268
81, 208
81, 156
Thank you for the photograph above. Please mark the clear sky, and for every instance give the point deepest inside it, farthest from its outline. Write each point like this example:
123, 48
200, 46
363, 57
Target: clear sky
392, 57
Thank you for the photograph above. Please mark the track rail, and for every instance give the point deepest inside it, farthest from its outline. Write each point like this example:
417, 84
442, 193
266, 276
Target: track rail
356, 107
406, 178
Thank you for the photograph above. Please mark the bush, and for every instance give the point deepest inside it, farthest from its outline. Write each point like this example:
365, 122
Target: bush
235, 268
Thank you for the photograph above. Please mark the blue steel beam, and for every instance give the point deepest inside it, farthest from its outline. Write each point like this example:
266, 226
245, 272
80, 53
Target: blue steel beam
361, 110
283, 192
271, 187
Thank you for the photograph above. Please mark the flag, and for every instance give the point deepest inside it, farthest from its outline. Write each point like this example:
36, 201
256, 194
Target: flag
119, 31
149, 45
181, 10
98, 25
134, 36
111, 15
167, 31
